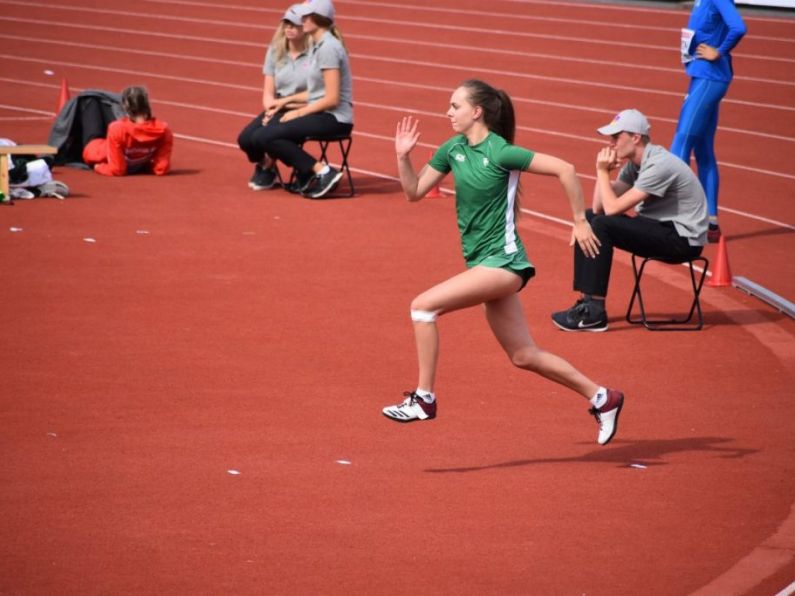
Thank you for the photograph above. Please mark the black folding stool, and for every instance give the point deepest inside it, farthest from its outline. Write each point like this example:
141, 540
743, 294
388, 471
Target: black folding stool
674, 324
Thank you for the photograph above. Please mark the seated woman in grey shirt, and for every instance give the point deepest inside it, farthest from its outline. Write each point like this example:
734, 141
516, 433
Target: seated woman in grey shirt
286, 70
328, 111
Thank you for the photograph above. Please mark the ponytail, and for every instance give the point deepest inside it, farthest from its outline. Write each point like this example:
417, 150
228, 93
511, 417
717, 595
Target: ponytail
326, 23
335, 31
498, 113
135, 101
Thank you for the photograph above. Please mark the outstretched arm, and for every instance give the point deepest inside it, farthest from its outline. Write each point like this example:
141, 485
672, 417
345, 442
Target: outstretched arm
582, 234
406, 138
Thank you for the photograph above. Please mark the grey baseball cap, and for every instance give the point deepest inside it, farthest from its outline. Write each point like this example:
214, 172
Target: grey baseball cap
324, 8
627, 121
293, 15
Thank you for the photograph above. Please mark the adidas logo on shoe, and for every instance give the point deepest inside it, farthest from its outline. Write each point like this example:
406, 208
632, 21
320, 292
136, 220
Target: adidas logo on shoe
412, 408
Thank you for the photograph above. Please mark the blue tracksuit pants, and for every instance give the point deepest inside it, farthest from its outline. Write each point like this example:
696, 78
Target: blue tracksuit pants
695, 133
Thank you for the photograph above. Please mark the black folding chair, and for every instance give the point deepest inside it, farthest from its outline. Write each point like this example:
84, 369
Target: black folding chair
670, 324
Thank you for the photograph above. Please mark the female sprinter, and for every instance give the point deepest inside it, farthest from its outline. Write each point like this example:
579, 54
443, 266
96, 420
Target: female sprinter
715, 27
328, 111
486, 166
286, 68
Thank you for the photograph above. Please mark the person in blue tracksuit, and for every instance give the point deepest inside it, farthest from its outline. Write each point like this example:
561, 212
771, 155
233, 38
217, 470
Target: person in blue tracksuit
714, 29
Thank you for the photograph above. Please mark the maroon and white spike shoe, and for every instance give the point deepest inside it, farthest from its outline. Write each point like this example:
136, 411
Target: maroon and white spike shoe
607, 416
412, 408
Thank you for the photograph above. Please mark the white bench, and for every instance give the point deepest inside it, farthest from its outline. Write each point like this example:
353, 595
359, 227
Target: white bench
5, 152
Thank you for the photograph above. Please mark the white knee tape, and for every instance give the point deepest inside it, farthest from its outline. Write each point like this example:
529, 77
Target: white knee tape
424, 316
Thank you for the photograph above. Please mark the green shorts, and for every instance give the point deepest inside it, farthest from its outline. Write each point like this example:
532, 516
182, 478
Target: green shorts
515, 263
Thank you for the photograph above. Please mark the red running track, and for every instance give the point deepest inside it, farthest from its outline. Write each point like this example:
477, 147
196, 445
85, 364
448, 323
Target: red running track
208, 328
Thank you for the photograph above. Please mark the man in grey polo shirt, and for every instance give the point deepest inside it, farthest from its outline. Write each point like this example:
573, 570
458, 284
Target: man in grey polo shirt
671, 222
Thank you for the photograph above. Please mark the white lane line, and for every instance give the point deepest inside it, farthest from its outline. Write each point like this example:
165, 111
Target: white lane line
680, 15
773, 222
398, 109
522, 54
355, 17
439, 88
425, 64
414, 24
537, 214
531, 212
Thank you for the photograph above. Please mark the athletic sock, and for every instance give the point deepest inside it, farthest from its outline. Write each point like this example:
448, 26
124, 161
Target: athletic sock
325, 170
427, 396
600, 398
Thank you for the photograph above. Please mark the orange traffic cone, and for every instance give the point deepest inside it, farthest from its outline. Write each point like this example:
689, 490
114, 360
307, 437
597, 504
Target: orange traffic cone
721, 274
63, 97
434, 193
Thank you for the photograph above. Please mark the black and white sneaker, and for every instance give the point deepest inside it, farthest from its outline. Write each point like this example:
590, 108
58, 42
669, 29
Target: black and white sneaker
257, 170
300, 182
583, 316
412, 408
263, 179
322, 184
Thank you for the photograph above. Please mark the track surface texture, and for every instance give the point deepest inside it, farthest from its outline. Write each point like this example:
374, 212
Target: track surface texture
194, 372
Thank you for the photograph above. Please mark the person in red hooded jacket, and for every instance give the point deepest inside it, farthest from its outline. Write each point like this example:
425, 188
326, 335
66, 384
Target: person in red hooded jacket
136, 143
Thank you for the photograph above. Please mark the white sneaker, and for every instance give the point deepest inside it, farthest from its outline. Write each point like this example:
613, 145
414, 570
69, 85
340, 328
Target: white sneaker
54, 188
607, 416
413, 408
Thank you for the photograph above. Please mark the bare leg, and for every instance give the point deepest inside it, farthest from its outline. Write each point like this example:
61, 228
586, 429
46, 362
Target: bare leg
472, 287
426, 336
507, 321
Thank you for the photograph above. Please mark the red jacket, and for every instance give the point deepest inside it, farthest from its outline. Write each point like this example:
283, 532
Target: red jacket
132, 147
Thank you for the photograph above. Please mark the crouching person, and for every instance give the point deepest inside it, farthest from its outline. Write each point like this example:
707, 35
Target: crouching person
136, 143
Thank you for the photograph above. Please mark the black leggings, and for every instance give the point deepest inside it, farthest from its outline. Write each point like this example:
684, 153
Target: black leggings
283, 141
640, 235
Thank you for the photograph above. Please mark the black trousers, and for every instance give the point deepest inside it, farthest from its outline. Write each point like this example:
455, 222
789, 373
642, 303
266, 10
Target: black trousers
282, 141
639, 235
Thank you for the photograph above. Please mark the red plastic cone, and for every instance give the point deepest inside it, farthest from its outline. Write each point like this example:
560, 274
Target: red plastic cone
435, 192
63, 97
721, 274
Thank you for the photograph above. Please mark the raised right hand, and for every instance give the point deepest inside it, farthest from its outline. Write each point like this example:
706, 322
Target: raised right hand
406, 136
